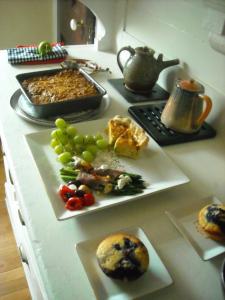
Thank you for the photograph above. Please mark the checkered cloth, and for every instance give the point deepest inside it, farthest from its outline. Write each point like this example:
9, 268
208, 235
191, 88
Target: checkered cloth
29, 55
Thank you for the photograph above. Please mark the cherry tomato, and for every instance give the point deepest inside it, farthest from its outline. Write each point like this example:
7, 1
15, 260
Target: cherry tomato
65, 192
88, 199
74, 203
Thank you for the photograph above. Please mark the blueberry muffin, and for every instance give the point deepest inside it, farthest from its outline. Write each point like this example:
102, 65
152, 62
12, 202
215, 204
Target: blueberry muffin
211, 221
122, 256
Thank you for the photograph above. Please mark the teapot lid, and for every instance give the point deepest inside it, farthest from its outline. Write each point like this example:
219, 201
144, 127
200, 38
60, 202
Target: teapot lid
191, 86
144, 50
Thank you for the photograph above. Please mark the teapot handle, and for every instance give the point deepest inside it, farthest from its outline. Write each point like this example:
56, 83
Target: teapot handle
207, 110
129, 49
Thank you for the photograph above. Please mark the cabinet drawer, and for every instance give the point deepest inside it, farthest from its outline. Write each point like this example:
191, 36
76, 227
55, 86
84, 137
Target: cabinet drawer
13, 208
8, 175
22, 241
34, 288
10, 192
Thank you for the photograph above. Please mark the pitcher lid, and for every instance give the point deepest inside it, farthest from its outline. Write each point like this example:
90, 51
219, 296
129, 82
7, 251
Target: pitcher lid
191, 85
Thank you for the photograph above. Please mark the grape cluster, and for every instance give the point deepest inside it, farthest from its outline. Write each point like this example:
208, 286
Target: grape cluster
67, 142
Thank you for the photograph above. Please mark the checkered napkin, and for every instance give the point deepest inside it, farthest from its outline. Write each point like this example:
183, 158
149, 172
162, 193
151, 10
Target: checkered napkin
29, 55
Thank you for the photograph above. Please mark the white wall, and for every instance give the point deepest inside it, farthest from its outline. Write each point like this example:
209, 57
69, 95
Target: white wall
105, 12
26, 22
178, 29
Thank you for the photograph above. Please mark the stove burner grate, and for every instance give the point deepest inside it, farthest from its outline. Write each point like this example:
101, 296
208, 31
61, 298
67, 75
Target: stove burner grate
148, 116
156, 94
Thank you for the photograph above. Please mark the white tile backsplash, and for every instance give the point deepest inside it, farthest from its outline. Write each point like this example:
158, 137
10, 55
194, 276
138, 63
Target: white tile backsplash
175, 28
179, 29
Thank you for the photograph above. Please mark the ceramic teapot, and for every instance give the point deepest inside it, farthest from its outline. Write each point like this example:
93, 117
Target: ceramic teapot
185, 110
141, 70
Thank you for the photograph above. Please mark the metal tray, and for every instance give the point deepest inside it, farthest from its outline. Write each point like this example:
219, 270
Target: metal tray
63, 107
19, 105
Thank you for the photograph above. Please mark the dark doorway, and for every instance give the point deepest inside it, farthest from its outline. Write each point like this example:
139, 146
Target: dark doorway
82, 19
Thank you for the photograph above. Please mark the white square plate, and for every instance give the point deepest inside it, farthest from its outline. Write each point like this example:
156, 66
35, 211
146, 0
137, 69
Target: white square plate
155, 167
156, 277
186, 222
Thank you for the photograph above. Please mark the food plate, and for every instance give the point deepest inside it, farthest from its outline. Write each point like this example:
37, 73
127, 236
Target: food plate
157, 277
185, 221
153, 165
75, 103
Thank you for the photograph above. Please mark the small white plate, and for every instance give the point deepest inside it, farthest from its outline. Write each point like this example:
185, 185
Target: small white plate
185, 221
157, 277
155, 167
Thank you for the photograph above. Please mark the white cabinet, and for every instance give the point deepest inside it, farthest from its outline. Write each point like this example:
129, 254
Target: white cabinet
21, 235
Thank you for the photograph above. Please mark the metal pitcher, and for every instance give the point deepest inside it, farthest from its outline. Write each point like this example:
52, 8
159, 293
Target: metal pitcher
185, 110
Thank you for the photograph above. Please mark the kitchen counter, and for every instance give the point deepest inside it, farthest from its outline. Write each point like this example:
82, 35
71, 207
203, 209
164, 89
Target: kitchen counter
57, 266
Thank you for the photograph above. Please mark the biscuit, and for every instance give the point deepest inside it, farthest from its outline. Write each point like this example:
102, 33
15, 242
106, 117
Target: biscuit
122, 256
126, 137
125, 145
211, 220
117, 126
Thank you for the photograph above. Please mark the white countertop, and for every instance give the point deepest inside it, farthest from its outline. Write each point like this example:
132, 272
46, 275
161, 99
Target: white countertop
53, 242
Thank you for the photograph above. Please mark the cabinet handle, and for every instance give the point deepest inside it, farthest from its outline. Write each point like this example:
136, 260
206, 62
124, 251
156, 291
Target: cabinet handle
23, 256
10, 177
7, 171
21, 217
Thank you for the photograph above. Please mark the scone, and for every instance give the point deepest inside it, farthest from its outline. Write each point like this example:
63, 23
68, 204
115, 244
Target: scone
126, 137
211, 221
139, 136
122, 256
117, 126
125, 145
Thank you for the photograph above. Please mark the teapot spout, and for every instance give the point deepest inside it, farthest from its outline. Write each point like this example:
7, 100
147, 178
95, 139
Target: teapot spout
165, 64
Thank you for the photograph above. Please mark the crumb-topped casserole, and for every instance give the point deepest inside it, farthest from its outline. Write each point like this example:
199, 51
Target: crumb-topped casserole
62, 86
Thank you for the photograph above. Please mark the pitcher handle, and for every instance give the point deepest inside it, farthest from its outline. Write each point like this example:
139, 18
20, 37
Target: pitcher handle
129, 49
207, 110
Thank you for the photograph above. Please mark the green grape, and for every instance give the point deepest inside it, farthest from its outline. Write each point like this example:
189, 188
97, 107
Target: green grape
60, 136
57, 133
64, 139
58, 149
68, 147
65, 157
92, 148
78, 139
98, 136
60, 123
71, 131
54, 134
102, 144
89, 139
78, 149
87, 156
54, 142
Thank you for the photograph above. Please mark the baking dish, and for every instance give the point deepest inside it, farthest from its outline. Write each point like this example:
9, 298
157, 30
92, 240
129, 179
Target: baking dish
63, 107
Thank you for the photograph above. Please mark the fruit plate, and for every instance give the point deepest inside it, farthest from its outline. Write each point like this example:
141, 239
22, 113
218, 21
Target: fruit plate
155, 167
156, 277
185, 221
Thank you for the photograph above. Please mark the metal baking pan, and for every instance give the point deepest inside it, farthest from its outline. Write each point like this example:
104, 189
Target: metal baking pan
62, 107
